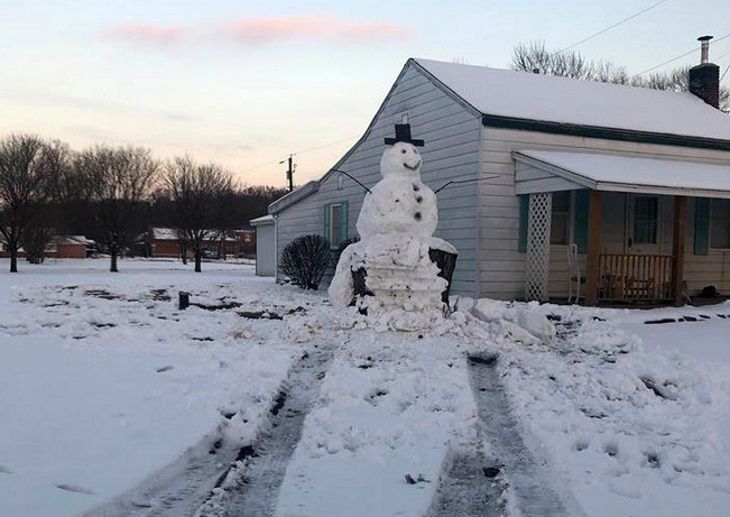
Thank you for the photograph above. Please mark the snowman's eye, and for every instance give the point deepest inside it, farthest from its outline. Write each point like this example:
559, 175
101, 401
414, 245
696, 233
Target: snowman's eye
403, 151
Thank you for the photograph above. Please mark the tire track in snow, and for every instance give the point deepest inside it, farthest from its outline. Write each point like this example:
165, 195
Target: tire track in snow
179, 488
251, 487
465, 490
528, 480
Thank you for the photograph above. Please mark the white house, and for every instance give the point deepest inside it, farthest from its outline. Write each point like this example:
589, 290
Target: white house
638, 180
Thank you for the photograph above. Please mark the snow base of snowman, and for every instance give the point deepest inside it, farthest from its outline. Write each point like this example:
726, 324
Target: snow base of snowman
401, 282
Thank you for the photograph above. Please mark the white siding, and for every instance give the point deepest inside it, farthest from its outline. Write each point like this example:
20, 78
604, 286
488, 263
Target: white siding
501, 269
265, 250
452, 134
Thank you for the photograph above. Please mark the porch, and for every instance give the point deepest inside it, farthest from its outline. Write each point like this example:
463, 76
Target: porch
616, 228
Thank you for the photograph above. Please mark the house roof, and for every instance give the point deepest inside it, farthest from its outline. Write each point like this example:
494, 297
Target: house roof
521, 100
171, 234
539, 97
263, 220
622, 173
165, 234
75, 239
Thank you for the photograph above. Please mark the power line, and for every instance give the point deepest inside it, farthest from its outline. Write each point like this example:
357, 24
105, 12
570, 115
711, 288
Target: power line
613, 26
275, 162
716, 40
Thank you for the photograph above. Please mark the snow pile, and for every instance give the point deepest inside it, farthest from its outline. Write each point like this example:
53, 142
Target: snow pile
396, 224
524, 322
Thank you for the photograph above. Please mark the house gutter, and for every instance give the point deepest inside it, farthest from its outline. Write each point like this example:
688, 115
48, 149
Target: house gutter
587, 131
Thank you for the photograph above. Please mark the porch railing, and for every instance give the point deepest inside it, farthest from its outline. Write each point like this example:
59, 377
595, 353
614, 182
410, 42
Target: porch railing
626, 278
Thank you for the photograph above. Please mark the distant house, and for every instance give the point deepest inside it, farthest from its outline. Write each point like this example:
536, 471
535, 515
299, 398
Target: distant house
71, 246
62, 246
621, 191
166, 243
245, 243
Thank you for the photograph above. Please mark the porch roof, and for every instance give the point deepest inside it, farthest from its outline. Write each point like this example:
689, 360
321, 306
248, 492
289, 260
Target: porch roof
552, 171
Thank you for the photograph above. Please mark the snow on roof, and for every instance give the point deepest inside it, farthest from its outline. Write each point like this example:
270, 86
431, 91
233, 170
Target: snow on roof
75, 239
634, 174
170, 234
264, 219
164, 234
509, 93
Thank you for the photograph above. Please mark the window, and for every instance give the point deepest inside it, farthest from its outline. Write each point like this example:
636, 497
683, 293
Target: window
646, 210
720, 224
560, 220
335, 223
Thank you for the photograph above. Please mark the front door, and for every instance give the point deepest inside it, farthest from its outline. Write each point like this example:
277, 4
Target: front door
643, 223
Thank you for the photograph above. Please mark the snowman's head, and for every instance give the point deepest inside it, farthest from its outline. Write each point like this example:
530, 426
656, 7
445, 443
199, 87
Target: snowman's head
401, 159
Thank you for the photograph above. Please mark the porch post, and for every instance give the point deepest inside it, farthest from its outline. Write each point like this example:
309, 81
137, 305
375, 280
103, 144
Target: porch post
593, 248
678, 237
537, 263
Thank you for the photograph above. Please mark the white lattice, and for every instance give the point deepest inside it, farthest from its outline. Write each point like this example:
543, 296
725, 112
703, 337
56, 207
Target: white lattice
538, 246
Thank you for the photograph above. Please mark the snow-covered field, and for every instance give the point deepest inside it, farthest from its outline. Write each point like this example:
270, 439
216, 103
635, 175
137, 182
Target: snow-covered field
103, 382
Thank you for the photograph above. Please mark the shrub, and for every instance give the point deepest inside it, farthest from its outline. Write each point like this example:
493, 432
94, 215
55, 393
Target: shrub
305, 260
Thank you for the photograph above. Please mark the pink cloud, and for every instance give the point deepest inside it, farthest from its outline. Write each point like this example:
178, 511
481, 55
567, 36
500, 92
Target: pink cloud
267, 29
147, 33
264, 29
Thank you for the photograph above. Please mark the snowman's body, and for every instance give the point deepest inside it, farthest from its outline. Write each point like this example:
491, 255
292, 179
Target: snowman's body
396, 225
400, 202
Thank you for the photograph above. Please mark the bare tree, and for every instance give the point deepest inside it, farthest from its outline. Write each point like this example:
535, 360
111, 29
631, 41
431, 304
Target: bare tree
29, 169
536, 58
37, 237
201, 196
116, 183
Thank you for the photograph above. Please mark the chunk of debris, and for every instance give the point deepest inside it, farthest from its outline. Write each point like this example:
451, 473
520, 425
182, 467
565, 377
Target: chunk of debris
260, 315
491, 472
75, 488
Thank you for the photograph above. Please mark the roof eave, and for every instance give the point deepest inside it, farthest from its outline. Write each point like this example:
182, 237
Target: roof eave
581, 181
293, 197
607, 133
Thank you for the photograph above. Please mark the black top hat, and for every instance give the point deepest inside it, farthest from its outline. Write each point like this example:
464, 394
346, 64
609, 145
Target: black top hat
403, 134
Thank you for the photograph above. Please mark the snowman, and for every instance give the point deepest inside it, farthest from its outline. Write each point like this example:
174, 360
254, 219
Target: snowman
396, 225
400, 202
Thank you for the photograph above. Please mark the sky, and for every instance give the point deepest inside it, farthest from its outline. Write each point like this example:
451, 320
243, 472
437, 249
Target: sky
245, 83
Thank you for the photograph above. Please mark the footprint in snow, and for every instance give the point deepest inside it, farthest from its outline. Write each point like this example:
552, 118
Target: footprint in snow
5, 470
75, 488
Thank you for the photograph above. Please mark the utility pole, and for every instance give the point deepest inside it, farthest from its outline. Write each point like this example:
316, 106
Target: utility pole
290, 171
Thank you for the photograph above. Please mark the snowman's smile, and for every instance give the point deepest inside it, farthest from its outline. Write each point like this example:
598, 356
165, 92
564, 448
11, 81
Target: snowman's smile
412, 167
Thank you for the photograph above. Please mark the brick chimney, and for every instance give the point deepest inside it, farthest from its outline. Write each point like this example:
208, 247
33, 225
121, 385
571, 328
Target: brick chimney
704, 79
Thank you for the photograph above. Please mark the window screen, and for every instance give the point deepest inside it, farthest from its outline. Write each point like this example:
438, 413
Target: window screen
560, 223
720, 224
646, 211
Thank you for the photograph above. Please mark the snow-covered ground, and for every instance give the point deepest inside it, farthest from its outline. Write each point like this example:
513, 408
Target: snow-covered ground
633, 418
103, 382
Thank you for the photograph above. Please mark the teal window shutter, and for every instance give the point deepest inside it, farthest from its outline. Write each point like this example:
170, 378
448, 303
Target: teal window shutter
326, 232
524, 216
702, 226
580, 223
344, 214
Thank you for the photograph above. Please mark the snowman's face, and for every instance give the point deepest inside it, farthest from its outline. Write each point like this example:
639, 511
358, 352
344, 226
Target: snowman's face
401, 159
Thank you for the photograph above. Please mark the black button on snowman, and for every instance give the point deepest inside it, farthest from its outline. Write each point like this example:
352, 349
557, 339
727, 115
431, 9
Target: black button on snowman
400, 202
